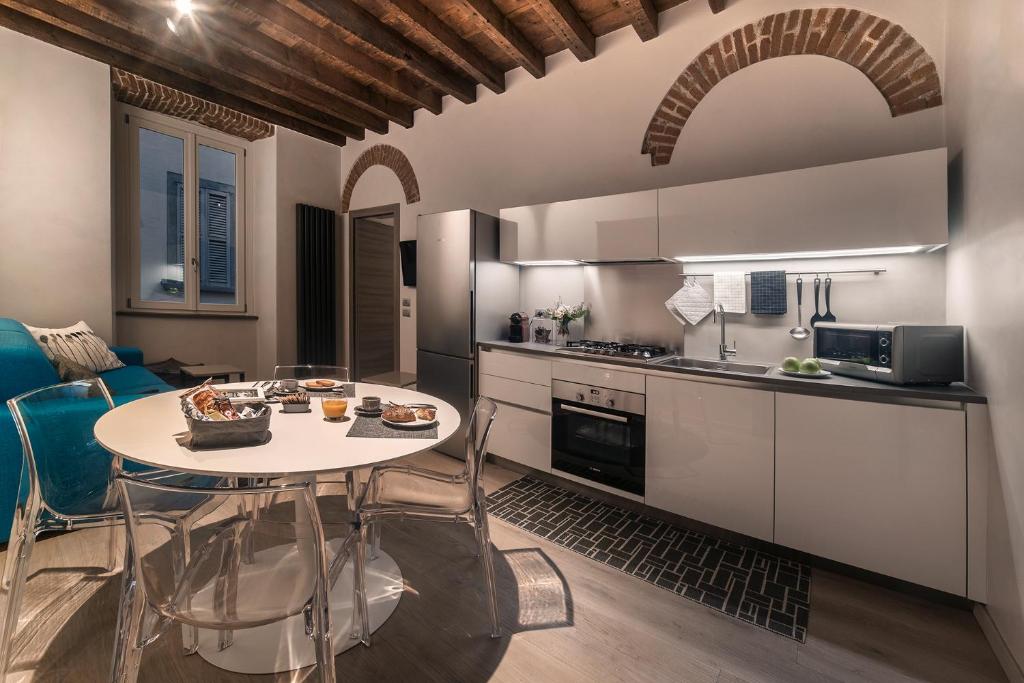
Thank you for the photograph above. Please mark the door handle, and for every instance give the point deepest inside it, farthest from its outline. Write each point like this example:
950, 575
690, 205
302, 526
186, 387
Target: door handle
595, 413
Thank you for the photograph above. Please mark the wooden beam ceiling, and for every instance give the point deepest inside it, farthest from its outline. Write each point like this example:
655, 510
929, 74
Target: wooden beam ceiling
565, 21
351, 19
435, 32
331, 68
14, 18
643, 16
504, 33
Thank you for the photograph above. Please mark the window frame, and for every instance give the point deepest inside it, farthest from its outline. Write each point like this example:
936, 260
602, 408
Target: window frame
129, 209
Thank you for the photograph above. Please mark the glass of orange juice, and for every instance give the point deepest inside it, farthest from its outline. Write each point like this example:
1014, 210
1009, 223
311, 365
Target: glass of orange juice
334, 409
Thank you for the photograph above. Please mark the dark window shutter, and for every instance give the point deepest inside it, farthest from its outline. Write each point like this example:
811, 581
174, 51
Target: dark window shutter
217, 240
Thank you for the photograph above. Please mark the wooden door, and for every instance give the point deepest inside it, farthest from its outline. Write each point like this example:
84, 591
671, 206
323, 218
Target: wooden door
374, 296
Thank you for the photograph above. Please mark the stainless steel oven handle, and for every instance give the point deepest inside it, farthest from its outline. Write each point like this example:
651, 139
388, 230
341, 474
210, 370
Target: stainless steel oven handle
595, 413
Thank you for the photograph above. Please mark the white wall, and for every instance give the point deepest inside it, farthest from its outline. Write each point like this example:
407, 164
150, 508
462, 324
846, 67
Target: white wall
985, 96
577, 131
55, 211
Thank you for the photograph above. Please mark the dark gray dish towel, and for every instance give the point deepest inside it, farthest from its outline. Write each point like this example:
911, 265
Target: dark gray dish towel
768, 292
373, 428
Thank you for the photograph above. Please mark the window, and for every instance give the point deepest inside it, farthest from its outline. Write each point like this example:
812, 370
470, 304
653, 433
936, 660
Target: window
185, 216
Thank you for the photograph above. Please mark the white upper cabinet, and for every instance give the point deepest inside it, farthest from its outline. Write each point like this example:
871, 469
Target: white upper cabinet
617, 227
886, 202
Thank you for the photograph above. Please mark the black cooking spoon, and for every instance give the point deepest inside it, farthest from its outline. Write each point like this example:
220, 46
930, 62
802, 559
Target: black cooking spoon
817, 317
829, 317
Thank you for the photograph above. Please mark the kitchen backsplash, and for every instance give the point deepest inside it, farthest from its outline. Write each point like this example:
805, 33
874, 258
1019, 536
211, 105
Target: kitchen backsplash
627, 301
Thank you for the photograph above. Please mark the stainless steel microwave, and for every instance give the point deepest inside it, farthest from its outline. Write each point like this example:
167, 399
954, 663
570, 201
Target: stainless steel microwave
896, 354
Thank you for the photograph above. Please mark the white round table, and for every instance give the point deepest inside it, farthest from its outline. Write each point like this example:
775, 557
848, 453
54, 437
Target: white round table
302, 445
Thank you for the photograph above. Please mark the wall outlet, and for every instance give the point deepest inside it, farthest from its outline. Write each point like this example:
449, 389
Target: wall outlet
407, 302
406, 313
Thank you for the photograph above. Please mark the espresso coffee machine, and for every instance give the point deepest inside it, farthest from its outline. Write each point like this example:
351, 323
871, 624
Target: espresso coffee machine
515, 328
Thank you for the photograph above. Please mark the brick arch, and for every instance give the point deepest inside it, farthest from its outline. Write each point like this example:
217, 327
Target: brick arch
891, 58
382, 155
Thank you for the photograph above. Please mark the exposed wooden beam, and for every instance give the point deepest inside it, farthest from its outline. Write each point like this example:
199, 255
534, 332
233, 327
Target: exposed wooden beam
716, 5
333, 54
434, 31
353, 20
504, 33
563, 19
216, 46
644, 17
31, 25
132, 43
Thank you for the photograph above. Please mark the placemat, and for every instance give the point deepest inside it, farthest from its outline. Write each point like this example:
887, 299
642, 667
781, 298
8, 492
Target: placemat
373, 428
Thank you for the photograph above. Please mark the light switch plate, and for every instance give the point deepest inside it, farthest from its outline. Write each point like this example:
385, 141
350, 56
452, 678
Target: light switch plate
406, 313
406, 302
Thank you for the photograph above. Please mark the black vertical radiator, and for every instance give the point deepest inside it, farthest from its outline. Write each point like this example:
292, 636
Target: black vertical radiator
316, 286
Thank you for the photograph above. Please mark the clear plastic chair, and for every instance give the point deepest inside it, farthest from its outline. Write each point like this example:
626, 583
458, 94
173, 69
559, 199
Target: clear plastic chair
67, 482
182, 566
414, 493
311, 372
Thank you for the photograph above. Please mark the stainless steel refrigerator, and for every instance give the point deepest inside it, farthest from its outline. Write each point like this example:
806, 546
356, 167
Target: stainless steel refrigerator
464, 294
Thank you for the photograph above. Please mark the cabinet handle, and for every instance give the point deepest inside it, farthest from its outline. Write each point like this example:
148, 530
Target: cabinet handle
595, 413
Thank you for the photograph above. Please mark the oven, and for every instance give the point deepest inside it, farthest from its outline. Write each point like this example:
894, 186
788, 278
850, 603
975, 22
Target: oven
598, 434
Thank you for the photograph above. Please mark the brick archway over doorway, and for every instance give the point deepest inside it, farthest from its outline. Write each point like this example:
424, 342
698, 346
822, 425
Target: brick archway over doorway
382, 155
891, 58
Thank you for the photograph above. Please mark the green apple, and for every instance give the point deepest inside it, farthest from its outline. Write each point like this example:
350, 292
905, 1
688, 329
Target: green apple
791, 364
810, 366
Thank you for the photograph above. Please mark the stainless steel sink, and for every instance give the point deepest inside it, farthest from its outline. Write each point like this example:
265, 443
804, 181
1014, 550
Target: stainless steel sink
719, 365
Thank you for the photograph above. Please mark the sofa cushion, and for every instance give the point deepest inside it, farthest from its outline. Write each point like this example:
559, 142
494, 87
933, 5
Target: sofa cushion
133, 379
77, 342
25, 366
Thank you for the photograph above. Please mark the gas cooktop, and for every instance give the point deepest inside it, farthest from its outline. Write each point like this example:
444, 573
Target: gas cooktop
618, 350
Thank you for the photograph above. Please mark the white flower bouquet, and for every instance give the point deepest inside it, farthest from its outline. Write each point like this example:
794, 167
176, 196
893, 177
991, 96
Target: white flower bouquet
563, 314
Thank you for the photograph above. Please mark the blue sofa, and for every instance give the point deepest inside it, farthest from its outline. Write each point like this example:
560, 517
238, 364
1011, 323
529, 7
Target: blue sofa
23, 367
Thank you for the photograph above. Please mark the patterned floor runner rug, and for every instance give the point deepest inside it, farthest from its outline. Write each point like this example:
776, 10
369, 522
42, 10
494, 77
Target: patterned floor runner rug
740, 581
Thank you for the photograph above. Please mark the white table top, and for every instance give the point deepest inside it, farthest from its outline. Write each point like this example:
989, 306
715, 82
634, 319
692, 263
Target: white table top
301, 443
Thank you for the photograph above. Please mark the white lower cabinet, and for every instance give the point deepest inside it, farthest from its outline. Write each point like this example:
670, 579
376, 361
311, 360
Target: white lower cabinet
710, 453
523, 436
877, 486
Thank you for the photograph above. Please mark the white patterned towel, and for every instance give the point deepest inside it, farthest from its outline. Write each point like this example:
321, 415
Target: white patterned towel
690, 304
731, 291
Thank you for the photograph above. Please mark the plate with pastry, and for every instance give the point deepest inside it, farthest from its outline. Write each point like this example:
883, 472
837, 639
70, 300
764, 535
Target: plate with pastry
405, 417
319, 384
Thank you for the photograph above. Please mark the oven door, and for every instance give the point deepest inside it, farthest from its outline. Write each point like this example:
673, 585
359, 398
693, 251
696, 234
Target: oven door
602, 445
868, 347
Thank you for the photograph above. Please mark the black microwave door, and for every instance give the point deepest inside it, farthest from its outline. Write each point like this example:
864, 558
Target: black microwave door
851, 346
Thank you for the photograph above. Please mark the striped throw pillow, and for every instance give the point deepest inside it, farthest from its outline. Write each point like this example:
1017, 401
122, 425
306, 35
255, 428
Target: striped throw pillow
77, 343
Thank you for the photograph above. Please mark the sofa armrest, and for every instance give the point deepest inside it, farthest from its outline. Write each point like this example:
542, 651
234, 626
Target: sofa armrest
129, 355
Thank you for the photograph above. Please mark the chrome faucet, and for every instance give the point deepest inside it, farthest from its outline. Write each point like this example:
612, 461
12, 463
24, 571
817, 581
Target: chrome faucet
724, 351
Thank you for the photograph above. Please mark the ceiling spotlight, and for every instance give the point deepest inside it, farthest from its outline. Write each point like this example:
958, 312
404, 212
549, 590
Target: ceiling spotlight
183, 6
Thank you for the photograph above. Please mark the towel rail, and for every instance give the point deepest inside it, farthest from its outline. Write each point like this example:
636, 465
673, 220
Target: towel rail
826, 273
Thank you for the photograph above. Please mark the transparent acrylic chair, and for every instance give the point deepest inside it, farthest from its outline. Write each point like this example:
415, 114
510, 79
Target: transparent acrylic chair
67, 482
301, 372
182, 566
414, 493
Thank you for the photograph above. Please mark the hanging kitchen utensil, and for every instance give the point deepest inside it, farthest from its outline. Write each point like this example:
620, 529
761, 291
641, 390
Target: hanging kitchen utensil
816, 318
799, 332
829, 316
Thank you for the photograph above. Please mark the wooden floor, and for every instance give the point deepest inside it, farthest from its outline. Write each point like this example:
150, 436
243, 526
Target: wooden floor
568, 618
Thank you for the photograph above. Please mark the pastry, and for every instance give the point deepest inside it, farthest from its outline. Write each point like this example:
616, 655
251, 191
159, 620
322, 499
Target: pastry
426, 414
322, 383
398, 413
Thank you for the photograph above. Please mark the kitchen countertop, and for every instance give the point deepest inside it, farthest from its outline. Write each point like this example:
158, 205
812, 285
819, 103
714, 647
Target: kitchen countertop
835, 386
